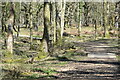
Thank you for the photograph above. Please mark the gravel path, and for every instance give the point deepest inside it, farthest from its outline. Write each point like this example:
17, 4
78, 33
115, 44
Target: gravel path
103, 66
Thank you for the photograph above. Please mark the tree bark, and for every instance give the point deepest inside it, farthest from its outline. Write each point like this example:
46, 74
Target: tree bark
10, 39
10, 23
86, 11
4, 29
63, 4
104, 27
54, 22
20, 21
31, 24
45, 39
3, 17
95, 28
118, 20
80, 19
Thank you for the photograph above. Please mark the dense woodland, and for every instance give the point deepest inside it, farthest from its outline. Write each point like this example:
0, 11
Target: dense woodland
34, 32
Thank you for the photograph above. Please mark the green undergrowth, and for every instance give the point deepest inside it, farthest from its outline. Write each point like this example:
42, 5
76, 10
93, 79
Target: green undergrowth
118, 57
41, 55
17, 69
37, 36
32, 76
41, 77
45, 70
12, 60
40, 73
53, 63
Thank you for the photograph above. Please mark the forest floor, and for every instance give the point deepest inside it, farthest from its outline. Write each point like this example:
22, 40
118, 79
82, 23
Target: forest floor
90, 60
104, 66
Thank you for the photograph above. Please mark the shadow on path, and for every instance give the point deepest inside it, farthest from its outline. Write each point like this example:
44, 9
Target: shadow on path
93, 62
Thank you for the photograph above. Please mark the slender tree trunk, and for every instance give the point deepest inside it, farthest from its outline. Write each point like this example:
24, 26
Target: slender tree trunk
95, 29
80, 19
104, 27
86, 7
118, 20
26, 17
3, 17
108, 12
31, 38
58, 24
45, 40
54, 22
3, 23
31, 24
18, 30
10, 39
10, 23
20, 21
63, 4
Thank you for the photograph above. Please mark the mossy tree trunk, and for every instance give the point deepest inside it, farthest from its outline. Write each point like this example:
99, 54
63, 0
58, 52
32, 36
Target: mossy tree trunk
10, 39
10, 24
3, 17
3, 23
57, 23
45, 39
31, 24
20, 19
54, 19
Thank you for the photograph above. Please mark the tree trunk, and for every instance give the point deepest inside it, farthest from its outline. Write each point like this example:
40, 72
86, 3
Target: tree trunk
45, 40
63, 4
10, 23
20, 21
118, 20
95, 28
80, 19
3, 18
54, 22
58, 23
86, 7
3, 23
108, 12
31, 24
104, 27
10, 39
31, 39
18, 30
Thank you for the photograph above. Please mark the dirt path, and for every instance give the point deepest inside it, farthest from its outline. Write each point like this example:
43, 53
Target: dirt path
93, 68
104, 66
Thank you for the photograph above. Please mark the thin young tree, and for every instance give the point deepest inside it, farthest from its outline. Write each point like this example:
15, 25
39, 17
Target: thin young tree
63, 5
80, 18
103, 17
118, 20
31, 24
3, 22
3, 17
54, 21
